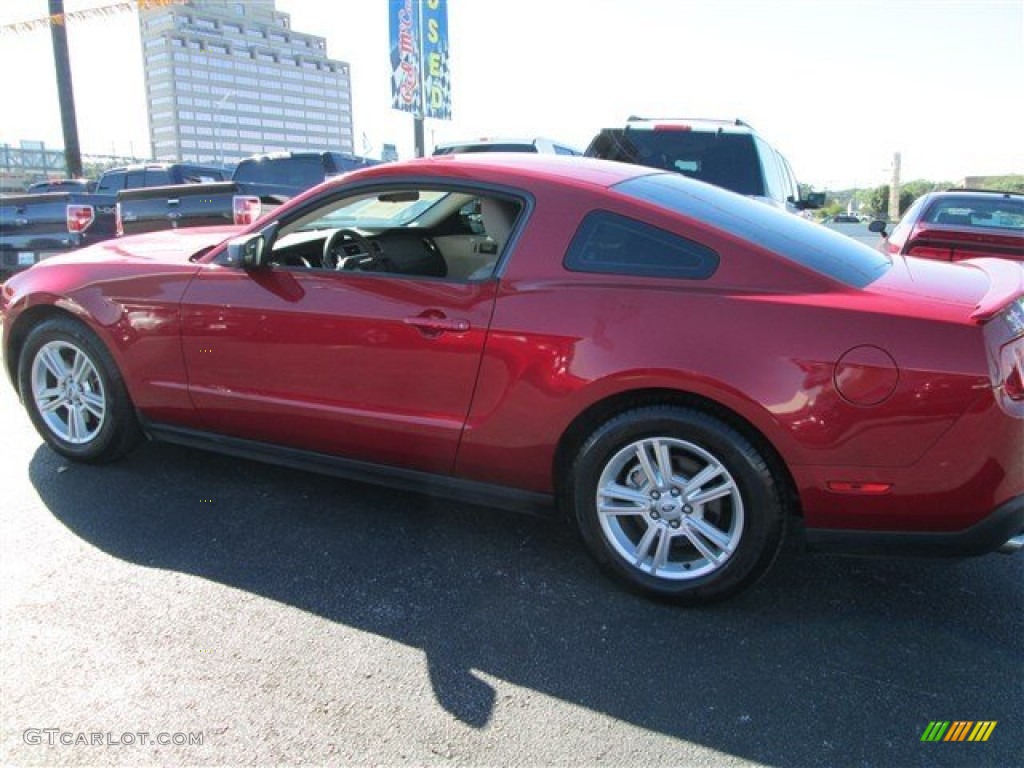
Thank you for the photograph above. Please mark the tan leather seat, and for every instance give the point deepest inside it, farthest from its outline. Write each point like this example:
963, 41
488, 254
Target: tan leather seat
499, 219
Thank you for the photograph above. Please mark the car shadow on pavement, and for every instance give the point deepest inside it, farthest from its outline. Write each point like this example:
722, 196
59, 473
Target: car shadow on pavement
826, 661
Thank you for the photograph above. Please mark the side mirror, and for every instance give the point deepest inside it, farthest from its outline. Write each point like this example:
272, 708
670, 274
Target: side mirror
877, 226
247, 252
812, 202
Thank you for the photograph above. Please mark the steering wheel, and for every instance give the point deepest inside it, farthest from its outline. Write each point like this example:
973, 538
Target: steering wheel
335, 257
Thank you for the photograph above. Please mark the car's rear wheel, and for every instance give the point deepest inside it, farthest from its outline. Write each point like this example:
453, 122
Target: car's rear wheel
74, 393
677, 504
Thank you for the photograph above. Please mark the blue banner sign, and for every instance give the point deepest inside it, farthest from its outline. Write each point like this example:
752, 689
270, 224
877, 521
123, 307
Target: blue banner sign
436, 66
406, 56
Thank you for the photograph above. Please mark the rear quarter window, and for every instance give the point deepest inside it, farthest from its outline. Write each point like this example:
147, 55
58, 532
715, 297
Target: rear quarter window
607, 243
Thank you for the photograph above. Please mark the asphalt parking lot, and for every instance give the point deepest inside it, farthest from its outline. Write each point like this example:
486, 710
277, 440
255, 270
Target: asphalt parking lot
294, 618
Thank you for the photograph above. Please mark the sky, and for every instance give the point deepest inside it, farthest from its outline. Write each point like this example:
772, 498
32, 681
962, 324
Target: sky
837, 86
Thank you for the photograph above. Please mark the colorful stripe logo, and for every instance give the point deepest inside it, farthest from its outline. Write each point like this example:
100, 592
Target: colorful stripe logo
959, 730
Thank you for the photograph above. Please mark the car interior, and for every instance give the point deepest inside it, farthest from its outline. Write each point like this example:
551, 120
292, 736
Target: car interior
415, 232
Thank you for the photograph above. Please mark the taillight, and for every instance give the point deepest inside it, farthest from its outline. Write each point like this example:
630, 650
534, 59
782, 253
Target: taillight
1014, 384
929, 252
1013, 365
246, 208
118, 221
79, 217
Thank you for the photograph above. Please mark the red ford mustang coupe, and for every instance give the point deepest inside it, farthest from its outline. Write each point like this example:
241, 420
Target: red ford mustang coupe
683, 372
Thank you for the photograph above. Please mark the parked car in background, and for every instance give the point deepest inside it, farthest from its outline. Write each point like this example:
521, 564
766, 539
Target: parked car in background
842, 218
958, 224
536, 145
36, 226
60, 185
687, 374
157, 175
259, 183
727, 153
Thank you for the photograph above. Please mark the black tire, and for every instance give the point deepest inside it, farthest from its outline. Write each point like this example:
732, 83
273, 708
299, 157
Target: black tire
747, 522
102, 438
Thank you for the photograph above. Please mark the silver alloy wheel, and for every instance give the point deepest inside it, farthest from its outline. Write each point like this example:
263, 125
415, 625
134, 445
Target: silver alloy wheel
68, 392
670, 508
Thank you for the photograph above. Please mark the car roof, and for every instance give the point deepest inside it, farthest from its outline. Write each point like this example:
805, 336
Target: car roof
700, 124
980, 194
496, 140
516, 168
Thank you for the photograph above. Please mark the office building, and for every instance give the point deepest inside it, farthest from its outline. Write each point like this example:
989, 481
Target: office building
225, 80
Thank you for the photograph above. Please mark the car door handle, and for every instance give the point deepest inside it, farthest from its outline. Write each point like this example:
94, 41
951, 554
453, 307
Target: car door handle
435, 324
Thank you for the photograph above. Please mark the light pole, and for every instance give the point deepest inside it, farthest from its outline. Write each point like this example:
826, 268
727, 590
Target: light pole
218, 145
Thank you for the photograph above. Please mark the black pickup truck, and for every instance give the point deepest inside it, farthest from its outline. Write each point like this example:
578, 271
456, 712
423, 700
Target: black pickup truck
259, 184
35, 226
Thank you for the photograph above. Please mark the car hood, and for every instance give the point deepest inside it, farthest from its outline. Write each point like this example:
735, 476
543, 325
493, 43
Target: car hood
167, 246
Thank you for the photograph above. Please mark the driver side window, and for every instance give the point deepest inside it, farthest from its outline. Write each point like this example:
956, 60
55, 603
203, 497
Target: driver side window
408, 231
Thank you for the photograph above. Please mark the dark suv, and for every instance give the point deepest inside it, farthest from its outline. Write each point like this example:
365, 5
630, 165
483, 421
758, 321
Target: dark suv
726, 153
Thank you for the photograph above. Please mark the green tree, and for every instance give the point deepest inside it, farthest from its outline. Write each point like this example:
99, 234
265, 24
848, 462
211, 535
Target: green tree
1011, 183
878, 202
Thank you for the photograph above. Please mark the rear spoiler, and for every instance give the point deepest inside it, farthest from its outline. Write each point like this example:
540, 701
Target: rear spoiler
1005, 284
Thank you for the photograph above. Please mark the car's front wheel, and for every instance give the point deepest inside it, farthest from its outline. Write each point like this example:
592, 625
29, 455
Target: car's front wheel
74, 393
677, 504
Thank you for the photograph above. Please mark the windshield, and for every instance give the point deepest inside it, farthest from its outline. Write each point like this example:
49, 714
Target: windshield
727, 160
994, 212
829, 253
301, 172
378, 212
